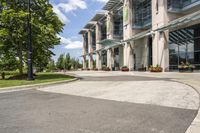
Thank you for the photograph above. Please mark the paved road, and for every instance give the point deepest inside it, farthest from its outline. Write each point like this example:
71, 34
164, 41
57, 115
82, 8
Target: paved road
46, 111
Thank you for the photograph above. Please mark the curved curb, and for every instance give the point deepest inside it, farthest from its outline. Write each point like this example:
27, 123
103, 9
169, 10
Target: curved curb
198, 113
35, 86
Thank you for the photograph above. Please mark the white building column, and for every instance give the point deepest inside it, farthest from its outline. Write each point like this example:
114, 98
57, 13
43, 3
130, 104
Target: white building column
127, 23
98, 46
110, 36
160, 39
84, 52
84, 62
91, 61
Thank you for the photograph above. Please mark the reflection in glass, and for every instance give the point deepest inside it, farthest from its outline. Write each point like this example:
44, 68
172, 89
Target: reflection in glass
184, 46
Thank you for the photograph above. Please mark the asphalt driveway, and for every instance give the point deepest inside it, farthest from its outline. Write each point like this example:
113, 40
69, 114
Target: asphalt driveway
95, 109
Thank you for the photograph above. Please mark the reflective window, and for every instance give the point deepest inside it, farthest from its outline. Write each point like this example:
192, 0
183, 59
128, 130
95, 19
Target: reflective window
103, 31
184, 46
86, 42
142, 13
94, 39
180, 4
118, 23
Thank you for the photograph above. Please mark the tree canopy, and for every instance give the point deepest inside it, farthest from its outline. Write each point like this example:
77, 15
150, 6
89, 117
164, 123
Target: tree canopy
13, 31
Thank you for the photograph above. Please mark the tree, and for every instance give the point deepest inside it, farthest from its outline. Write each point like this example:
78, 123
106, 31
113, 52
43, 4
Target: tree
60, 62
8, 62
13, 30
67, 62
51, 65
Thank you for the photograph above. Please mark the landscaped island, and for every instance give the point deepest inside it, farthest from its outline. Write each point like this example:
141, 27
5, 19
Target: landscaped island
39, 78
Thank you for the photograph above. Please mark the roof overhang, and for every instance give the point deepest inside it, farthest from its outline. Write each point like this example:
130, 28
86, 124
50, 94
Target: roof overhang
111, 4
99, 15
140, 35
83, 31
180, 21
110, 43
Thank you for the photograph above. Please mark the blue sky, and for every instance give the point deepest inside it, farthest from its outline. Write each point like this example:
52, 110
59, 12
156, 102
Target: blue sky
75, 14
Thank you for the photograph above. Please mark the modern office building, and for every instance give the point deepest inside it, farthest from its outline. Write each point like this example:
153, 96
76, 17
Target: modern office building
143, 33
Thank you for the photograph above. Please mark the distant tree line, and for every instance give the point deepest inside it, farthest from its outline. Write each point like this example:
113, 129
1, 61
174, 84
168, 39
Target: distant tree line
64, 62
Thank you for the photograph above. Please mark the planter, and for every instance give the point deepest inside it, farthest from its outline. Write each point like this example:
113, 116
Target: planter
95, 69
156, 69
142, 69
186, 70
125, 69
106, 69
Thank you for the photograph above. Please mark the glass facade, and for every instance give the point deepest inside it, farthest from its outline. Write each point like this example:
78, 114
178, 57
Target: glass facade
86, 42
103, 31
118, 23
180, 4
116, 57
142, 13
104, 57
94, 39
184, 46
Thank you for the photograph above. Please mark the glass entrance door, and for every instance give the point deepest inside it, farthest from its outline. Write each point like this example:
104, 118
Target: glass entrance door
184, 47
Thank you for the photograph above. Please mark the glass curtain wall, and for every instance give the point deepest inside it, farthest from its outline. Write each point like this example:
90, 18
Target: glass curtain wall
142, 13
118, 23
103, 31
179, 4
94, 39
86, 42
104, 58
116, 57
184, 46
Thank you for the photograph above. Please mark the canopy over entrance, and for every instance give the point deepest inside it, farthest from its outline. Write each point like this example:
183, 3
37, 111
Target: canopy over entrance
109, 43
180, 21
139, 36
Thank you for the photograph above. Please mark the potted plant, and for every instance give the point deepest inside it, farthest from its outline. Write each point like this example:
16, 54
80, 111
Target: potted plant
124, 69
186, 67
142, 69
95, 69
156, 69
105, 68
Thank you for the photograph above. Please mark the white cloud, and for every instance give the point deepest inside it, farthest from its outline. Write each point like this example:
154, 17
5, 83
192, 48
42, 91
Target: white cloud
102, 1
62, 9
70, 43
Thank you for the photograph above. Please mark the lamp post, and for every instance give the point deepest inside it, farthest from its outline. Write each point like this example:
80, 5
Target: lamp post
30, 50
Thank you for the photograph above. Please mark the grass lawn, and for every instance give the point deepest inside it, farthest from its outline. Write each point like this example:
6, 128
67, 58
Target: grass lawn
40, 78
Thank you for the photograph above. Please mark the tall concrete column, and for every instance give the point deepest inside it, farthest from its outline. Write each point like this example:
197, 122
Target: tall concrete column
98, 46
109, 28
91, 61
160, 39
84, 62
84, 52
127, 23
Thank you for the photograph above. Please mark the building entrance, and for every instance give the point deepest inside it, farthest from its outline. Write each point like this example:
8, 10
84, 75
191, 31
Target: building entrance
184, 47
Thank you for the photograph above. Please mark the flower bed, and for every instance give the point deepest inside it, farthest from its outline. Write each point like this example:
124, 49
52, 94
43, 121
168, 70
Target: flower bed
186, 67
95, 69
156, 69
104, 68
